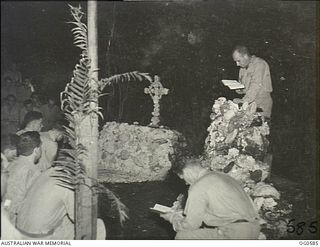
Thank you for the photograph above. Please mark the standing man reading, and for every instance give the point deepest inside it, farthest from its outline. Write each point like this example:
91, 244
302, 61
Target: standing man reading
254, 74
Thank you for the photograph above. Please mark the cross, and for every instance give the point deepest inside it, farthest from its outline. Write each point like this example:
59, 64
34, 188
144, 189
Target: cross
156, 90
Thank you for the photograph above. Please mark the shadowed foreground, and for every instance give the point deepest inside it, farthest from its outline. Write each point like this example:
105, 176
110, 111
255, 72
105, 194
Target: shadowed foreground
143, 224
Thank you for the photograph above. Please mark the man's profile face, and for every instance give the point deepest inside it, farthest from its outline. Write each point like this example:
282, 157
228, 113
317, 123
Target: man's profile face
240, 59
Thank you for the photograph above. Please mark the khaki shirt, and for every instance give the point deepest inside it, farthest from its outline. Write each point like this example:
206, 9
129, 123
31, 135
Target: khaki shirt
217, 199
257, 81
21, 177
51, 115
46, 207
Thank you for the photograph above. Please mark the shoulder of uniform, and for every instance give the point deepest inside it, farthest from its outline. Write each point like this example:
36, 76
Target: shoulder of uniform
259, 60
208, 178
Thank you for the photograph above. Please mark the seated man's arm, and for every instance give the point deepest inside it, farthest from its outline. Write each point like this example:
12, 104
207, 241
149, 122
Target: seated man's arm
194, 211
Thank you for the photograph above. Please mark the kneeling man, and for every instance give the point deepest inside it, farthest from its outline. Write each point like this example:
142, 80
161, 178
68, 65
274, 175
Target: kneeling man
217, 206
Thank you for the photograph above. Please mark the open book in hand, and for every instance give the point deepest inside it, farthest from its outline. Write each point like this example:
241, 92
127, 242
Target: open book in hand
158, 208
233, 84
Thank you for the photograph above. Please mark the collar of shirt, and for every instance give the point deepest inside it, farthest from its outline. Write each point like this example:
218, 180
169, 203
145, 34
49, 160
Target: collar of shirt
252, 59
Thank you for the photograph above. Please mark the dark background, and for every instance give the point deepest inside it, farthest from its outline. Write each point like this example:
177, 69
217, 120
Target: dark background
188, 44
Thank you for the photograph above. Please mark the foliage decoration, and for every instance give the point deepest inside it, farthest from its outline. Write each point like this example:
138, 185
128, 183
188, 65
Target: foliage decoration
78, 100
237, 144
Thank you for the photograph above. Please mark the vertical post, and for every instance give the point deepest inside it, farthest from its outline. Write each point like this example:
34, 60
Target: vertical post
93, 37
86, 198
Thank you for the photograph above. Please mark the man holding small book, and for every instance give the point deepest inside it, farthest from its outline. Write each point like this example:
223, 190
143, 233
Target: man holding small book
254, 74
217, 207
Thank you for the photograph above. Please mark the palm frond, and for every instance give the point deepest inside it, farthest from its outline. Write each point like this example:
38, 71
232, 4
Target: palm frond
69, 175
76, 103
80, 31
124, 77
116, 204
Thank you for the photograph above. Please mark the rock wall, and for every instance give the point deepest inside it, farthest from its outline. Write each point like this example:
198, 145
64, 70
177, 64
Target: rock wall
132, 153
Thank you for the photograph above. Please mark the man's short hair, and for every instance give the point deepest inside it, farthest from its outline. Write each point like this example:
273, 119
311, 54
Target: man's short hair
31, 116
184, 162
27, 102
243, 50
27, 142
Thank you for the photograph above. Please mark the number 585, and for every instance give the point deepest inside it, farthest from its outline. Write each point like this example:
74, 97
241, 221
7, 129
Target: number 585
299, 227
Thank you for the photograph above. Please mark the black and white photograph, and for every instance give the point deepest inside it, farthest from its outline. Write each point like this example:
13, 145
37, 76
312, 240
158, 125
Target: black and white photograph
159, 120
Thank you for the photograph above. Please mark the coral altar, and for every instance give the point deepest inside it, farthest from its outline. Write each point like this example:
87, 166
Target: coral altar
133, 153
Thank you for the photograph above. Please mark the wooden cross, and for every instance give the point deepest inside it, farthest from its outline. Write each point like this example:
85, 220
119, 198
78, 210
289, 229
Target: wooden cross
156, 90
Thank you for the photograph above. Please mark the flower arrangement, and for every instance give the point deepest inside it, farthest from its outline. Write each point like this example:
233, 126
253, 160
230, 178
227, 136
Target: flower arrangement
237, 144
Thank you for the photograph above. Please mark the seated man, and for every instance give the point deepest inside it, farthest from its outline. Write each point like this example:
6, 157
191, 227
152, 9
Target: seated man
22, 171
33, 122
8, 231
48, 211
8, 155
51, 114
9, 116
24, 90
217, 207
27, 107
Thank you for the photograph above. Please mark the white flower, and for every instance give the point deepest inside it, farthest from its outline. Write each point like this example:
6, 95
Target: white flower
269, 203
229, 114
246, 161
282, 227
233, 106
247, 190
233, 152
265, 174
239, 174
258, 202
266, 190
264, 129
